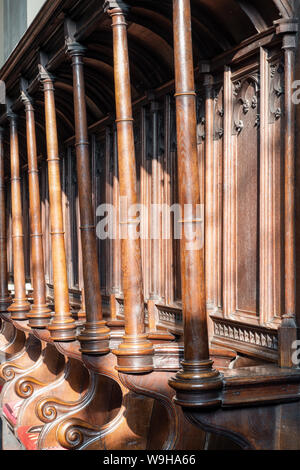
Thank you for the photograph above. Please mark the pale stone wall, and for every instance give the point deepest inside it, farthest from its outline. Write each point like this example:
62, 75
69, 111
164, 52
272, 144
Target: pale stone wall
15, 17
1, 33
33, 7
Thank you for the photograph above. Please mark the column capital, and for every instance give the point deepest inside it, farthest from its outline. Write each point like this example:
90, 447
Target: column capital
12, 117
116, 6
74, 48
45, 76
205, 72
288, 27
27, 100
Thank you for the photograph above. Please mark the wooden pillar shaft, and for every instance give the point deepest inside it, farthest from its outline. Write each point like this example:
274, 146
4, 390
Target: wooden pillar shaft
5, 298
288, 331
39, 314
95, 337
136, 351
196, 384
20, 306
62, 327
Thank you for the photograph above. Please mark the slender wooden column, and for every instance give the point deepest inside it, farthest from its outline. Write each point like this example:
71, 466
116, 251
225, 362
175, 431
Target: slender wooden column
94, 338
136, 351
62, 327
20, 306
5, 298
288, 330
196, 384
39, 314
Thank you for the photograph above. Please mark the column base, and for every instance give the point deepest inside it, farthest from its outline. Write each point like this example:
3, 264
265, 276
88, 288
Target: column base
135, 355
288, 334
197, 385
39, 316
63, 330
19, 310
94, 339
5, 303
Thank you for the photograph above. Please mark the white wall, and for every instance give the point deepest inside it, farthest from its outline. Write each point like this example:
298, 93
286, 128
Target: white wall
33, 7
1, 34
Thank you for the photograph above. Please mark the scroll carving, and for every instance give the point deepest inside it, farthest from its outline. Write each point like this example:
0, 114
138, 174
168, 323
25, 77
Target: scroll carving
73, 433
26, 386
9, 371
48, 409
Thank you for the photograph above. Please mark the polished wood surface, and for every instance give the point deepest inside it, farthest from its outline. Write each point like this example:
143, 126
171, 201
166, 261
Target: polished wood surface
95, 336
135, 353
62, 327
39, 314
5, 298
20, 306
197, 372
200, 352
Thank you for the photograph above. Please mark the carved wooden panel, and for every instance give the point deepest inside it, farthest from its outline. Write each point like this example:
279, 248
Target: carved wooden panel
245, 127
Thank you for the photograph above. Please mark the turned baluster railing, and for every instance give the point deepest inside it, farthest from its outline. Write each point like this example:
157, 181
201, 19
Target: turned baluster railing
197, 383
63, 326
39, 314
135, 353
94, 338
20, 306
5, 298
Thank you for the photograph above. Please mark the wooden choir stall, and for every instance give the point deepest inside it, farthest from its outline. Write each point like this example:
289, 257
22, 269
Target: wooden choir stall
149, 227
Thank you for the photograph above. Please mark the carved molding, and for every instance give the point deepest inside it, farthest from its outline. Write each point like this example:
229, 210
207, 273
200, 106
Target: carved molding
235, 332
276, 90
170, 316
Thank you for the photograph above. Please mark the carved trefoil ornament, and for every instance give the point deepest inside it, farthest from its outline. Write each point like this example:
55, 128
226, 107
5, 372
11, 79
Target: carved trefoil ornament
245, 98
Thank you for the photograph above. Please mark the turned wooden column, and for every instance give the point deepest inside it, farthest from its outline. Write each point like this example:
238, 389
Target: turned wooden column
196, 384
39, 314
5, 298
288, 330
62, 327
20, 306
94, 338
135, 352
